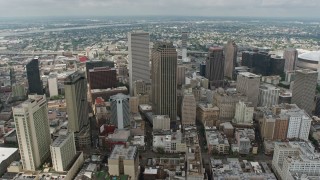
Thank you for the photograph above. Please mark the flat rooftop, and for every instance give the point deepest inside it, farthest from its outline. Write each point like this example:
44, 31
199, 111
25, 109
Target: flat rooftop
128, 153
5, 153
60, 140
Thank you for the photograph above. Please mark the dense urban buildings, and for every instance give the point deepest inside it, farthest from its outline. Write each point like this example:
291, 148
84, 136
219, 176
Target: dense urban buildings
138, 49
33, 75
177, 124
164, 81
31, 120
215, 66
303, 92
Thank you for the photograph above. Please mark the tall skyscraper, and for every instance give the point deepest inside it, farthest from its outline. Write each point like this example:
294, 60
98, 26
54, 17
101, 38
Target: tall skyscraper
164, 81
33, 76
231, 50
304, 89
53, 85
181, 75
291, 56
184, 45
215, 66
76, 98
120, 111
139, 61
33, 133
248, 84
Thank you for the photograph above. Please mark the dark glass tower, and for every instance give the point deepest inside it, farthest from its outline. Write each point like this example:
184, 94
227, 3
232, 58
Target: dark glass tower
33, 75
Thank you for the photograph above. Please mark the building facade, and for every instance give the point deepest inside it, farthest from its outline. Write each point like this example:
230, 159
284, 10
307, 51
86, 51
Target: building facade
231, 50
215, 67
120, 112
33, 76
53, 86
181, 75
139, 66
164, 81
33, 134
290, 56
102, 78
76, 98
248, 84
303, 92
124, 161
188, 110
244, 113
63, 150
268, 95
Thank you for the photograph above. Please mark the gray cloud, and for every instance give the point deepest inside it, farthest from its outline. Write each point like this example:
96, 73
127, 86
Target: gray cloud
290, 8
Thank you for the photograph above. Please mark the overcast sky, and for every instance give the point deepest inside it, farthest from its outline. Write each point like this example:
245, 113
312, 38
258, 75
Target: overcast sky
255, 8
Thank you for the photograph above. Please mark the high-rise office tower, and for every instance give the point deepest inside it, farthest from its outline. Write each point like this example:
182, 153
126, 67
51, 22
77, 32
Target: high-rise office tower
181, 75
188, 109
248, 84
63, 150
215, 66
304, 89
164, 81
184, 44
102, 78
53, 85
203, 69
33, 76
120, 111
291, 56
231, 50
268, 95
139, 66
76, 98
33, 133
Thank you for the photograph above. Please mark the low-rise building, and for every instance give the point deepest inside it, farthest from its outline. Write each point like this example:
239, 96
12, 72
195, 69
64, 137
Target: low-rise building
216, 141
207, 114
124, 161
168, 141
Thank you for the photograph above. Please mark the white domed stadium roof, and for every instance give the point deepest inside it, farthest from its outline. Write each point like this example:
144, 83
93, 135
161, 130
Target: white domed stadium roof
310, 56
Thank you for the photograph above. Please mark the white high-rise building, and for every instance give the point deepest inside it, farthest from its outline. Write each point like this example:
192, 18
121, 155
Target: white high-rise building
299, 125
295, 160
161, 122
268, 95
63, 150
53, 86
139, 57
244, 113
33, 133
